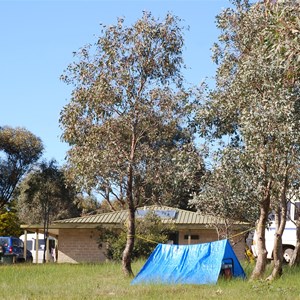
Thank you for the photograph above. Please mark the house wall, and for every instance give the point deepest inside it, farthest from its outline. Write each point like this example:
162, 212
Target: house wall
189, 237
79, 245
238, 244
205, 235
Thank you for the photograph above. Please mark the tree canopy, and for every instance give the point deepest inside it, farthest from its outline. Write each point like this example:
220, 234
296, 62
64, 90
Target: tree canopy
19, 150
43, 196
227, 190
10, 224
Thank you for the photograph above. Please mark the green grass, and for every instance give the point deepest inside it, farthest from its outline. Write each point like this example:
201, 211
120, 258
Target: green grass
106, 281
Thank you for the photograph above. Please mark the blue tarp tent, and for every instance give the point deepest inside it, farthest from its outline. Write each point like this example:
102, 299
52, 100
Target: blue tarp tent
189, 264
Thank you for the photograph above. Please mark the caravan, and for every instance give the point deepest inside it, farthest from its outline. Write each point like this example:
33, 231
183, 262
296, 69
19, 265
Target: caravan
32, 244
288, 237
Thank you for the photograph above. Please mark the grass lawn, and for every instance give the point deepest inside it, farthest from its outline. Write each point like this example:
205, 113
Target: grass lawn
106, 281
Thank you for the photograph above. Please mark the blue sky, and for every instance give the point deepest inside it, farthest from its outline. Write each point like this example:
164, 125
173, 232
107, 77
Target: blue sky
38, 38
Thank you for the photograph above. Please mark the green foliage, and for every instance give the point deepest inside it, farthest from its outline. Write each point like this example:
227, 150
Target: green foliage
19, 150
9, 224
255, 107
255, 102
87, 204
43, 196
180, 170
149, 232
129, 112
228, 191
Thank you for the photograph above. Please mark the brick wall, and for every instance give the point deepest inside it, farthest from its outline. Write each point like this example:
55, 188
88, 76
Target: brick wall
205, 236
79, 245
210, 235
239, 244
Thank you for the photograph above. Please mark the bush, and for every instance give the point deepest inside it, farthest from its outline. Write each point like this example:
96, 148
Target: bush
9, 224
149, 232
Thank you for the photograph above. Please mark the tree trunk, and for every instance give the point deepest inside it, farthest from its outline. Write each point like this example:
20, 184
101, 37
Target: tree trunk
277, 257
126, 259
45, 228
280, 221
127, 253
295, 260
261, 260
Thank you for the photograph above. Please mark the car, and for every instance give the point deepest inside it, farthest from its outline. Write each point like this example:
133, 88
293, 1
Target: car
12, 250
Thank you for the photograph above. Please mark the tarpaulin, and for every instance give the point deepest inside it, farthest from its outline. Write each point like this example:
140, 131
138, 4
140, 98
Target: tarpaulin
189, 264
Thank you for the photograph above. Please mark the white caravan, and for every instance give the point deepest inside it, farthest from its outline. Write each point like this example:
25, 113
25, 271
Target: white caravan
31, 246
288, 237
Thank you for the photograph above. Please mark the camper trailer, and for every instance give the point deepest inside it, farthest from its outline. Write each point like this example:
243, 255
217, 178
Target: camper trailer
288, 237
32, 245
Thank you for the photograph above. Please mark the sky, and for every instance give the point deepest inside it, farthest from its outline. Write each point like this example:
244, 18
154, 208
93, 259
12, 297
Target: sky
38, 39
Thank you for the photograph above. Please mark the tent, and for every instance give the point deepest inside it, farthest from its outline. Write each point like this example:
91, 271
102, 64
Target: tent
189, 264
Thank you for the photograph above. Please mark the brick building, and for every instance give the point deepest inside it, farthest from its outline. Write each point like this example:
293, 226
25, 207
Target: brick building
77, 238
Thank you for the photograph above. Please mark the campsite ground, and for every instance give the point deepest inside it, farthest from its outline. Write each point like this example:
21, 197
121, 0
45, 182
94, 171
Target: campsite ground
106, 281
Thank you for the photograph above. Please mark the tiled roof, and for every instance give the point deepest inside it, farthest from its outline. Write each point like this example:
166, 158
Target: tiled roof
168, 215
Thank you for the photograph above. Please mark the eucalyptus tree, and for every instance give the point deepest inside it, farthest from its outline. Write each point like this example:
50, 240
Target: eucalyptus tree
256, 101
43, 196
19, 150
128, 97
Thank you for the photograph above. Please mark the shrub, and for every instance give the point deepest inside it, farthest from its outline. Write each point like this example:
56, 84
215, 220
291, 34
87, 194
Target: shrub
9, 224
149, 232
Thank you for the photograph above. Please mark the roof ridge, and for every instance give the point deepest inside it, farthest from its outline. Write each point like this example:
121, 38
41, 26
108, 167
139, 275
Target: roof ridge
90, 216
122, 212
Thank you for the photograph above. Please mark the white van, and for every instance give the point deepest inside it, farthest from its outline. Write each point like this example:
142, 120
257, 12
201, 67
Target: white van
31, 246
288, 237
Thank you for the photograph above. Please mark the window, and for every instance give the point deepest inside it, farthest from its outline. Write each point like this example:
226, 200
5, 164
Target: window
29, 245
17, 243
193, 237
4, 241
41, 245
